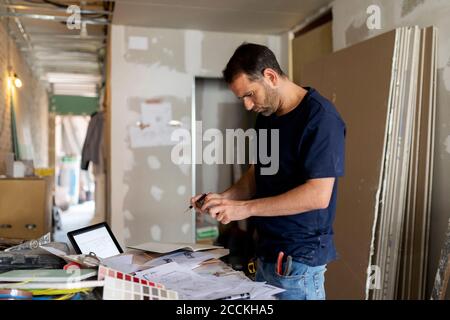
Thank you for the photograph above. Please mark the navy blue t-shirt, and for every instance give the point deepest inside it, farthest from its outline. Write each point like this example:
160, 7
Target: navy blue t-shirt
311, 145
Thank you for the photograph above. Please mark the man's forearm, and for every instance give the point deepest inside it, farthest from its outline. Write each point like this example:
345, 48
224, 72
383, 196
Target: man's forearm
244, 189
312, 195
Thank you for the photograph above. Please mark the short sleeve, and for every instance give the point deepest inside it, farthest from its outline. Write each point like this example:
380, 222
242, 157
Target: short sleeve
322, 150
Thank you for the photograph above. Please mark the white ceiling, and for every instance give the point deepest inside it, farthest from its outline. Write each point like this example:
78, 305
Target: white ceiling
71, 60
52, 49
246, 16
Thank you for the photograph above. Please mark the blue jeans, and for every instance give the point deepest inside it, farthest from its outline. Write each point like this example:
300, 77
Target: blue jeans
302, 283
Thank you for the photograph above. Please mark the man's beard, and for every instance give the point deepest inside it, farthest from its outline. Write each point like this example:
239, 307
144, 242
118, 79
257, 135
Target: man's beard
270, 101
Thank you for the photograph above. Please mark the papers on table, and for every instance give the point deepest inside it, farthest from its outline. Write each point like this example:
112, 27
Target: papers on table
192, 285
256, 290
186, 282
171, 247
187, 259
130, 263
123, 263
70, 258
264, 291
195, 273
238, 282
54, 251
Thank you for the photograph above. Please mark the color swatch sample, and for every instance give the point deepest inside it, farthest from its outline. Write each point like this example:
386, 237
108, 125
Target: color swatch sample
104, 272
122, 286
120, 289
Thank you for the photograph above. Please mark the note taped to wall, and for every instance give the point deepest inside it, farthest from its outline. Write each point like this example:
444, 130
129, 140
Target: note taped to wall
137, 43
154, 129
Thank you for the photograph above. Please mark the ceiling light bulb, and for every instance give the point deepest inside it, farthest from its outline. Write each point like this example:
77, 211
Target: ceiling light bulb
17, 81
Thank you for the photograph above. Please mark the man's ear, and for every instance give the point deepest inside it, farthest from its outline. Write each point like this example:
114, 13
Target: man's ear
271, 76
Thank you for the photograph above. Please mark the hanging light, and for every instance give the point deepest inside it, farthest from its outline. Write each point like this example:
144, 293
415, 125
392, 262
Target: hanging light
13, 79
17, 81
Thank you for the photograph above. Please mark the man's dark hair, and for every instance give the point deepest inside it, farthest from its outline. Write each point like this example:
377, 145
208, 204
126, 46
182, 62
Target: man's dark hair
251, 59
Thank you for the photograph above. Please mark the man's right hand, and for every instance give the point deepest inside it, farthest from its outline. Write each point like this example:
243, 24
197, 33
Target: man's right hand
194, 204
198, 206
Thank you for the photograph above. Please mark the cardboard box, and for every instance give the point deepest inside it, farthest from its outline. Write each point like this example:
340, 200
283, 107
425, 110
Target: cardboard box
25, 208
6, 163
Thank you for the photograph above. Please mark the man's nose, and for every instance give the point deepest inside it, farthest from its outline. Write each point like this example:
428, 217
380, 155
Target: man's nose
248, 103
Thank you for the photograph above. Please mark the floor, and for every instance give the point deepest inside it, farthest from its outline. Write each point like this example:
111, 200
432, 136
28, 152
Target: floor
76, 217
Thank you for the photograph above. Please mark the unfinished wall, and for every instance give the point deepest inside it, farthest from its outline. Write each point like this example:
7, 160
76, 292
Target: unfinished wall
30, 103
349, 27
148, 191
5, 113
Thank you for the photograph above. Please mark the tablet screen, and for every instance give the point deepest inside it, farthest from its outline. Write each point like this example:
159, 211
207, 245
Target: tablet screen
96, 239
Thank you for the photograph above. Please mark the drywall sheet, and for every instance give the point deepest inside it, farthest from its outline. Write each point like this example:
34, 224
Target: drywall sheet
433, 134
402, 231
399, 161
397, 215
410, 218
357, 80
383, 217
422, 205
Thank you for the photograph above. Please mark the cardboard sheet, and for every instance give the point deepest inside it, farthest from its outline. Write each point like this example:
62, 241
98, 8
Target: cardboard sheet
357, 80
384, 90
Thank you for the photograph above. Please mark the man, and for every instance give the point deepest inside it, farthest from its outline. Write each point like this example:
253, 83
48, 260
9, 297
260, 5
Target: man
293, 210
